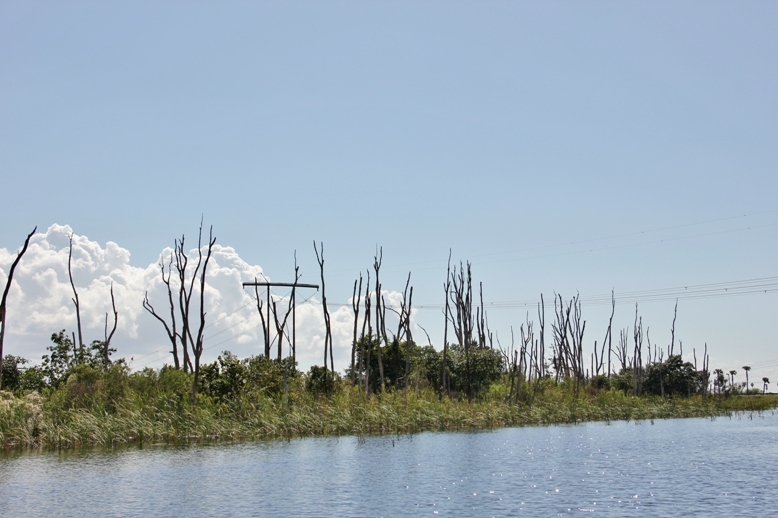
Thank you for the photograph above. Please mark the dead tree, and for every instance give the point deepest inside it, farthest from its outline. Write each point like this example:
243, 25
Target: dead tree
577, 328
184, 298
106, 345
380, 314
637, 356
356, 300
480, 317
4, 300
327, 328
80, 342
462, 316
171, 331
197, 344
609, 333
621, 352
185, 287
281, 324
404, 327
265, 323
672, 331
446, 315
366, 356
560, 327
541, 360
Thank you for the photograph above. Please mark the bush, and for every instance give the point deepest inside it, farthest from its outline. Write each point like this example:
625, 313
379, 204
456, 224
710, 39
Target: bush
12, 372
321, 381
473, 371
81, 386
601, 382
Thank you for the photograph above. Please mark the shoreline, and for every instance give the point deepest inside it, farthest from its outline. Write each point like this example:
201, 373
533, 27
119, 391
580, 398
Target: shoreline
30, 423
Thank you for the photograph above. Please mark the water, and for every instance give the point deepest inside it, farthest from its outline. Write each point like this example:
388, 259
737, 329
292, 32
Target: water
690, 467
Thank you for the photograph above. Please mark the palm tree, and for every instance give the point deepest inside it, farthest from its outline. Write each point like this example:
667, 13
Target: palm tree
746, 368
766, 382
732, 378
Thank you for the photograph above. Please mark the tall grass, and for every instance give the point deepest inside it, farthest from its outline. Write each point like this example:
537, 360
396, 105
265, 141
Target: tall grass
140, 415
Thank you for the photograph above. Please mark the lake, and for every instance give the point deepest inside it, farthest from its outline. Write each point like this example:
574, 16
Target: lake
703, 467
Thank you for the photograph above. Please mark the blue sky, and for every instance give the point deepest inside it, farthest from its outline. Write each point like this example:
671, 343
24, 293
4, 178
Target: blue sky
559, 146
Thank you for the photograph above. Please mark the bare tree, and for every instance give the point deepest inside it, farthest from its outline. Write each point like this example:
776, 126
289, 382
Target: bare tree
327, 326
621, 352
186, 282
446, 315
541, 359
380, 315
197, 344
356, 299
169, 329
80, 343
366, 356
106, 345
265, 323
184, 297
609, 333
461, 316
4, 300
281, 323
637, 356
672, 331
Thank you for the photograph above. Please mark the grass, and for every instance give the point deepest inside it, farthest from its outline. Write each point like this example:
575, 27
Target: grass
54, 421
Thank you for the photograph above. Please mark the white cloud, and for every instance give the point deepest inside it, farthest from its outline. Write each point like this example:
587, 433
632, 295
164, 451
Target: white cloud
40, 304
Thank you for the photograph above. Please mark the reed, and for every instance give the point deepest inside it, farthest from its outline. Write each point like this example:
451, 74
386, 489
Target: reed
49, 421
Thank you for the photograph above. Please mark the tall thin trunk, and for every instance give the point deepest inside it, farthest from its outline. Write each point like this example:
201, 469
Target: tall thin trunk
4, 300
75, 295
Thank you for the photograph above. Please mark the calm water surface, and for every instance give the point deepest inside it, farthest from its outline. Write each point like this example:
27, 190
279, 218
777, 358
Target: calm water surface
689, 467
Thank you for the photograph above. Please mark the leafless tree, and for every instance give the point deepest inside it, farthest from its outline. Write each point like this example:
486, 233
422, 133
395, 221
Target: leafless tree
190, 343
637, 356
609, 333
281, 323
366, 355
380, 315
356, 300
404, 327
106, 345
80, 343
621, 352
328, 329
265, 323
185, 297
447, 315
672, 330
171, 331
541, 359
197, 344
461, 316
4, 300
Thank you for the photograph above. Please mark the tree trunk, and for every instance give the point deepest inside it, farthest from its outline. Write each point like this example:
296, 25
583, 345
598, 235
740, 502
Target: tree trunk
4, 300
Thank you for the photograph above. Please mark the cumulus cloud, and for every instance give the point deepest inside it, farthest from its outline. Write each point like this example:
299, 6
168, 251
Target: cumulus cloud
40, 303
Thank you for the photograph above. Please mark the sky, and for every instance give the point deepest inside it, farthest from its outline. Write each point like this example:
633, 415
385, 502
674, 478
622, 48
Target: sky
560, 147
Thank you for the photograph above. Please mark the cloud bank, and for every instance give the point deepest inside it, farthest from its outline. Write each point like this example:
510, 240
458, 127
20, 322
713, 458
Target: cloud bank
40, 303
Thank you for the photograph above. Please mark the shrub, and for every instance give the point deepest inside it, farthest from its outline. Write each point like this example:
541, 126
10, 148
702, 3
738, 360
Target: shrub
321, 381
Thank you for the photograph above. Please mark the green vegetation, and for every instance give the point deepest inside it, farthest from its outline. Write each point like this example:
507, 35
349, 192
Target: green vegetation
73, 400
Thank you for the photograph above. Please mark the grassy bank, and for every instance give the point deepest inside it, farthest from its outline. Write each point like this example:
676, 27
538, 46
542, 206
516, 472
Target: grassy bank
70, 417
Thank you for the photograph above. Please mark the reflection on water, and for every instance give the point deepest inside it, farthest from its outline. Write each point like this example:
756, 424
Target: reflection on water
701, 467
